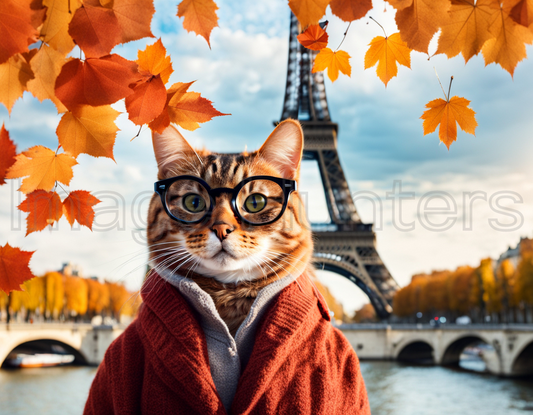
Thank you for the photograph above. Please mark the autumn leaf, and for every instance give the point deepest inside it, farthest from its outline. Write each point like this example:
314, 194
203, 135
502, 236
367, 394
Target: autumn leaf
79, 206
187, 109
388, 51
14, 77
466, 28
46, 66
8, 153
419, 21
522, 12
44, 209
314, 38
97, 81
350, 10
199, 16
89, 130
54, 31
308, 12
155, 61
14, 268
333, 62
16, 29
43, 167
508, 47
448, 114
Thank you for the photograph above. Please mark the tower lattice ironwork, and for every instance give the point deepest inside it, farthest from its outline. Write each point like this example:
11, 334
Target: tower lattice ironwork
347, 246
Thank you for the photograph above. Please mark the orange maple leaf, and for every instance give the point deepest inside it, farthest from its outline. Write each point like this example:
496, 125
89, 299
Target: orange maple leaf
44, 167
314, 38
97, 81
448, 114
350, 10
155, 61
508, 47
419, 20
522, 12
199, 16
14, 268
8, 153
308, 12
14, 77
44, 209
54, 31
134, 18
333, 62
187, 109
466, 28
16, 29
387, 51
79, 206
89, 130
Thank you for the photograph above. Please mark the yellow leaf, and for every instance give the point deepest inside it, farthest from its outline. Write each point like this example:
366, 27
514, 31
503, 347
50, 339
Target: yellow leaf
14, 77
44, 167
447, 114
308, 12
199, 16
333, 62
154, 59
89, 130
46, 65
55, 27
387, 51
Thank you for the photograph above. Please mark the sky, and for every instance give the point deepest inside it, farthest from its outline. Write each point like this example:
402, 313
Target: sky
479, 189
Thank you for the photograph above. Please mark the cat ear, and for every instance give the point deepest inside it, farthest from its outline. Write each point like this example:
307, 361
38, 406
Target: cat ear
284, 148
170, 147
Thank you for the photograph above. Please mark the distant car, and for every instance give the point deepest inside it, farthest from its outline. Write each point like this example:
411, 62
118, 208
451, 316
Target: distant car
463, 320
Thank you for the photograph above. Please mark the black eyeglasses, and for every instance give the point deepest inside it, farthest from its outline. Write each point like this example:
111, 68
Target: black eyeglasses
257, 200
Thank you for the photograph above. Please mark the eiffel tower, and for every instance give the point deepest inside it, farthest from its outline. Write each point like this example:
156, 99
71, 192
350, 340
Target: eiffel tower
347, 246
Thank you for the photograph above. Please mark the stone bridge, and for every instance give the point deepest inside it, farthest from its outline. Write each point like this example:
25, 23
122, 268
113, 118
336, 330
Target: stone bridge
512, 345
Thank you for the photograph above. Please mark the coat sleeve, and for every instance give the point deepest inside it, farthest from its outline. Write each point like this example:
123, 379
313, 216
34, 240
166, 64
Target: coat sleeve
117, 386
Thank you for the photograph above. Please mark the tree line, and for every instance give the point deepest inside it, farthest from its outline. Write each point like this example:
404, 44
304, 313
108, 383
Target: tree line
496, 291
59, 297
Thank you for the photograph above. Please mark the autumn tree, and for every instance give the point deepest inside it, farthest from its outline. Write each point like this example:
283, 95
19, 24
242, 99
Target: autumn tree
55, 294
99, 297
76, 296
506, 286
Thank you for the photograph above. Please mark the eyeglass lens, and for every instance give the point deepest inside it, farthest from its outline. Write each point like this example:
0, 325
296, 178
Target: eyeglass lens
187, 200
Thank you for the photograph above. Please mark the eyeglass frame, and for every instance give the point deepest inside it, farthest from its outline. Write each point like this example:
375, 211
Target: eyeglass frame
287, 185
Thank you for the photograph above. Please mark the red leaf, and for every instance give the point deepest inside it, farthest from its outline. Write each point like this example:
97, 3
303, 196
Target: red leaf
78, 206
44, 209
314, 38
14, 268
97, 81
147, 101
7, 153
16, 28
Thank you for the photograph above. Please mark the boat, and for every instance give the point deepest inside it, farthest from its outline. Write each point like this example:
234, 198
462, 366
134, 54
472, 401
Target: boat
39, 360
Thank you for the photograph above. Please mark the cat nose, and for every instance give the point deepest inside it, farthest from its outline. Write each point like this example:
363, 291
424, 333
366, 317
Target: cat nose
222, 230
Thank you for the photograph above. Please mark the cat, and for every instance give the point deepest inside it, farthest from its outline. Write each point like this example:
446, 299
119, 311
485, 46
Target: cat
228, 258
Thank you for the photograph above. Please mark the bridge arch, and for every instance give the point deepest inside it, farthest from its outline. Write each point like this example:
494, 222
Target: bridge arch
416, 351
48, 346
452, 351
383, 309
523, 363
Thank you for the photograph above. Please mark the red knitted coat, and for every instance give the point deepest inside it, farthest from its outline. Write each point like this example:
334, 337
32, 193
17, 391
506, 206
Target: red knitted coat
300, 363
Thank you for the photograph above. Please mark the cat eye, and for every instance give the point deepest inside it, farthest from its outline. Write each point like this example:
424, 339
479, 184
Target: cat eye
257, 200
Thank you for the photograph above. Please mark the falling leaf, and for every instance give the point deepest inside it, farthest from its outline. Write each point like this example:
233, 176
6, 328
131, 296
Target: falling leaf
14, 77
97, 81
89, 130
199, 16
16, 29
308, 12
8, 153
147, 101
522, 12
400, 4
387, 51
155, 61
466, 28
14, 268
420, 21
447, 114
44, 209
134, 17
333, 62
55, 27
508, 47
79, 206
314, 38
44, 167
187, 109
350, 10
46, 66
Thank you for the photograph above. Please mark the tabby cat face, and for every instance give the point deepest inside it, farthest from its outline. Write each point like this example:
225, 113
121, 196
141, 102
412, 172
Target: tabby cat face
223, 246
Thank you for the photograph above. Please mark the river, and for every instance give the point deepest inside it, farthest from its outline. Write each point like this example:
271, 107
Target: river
393, 389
